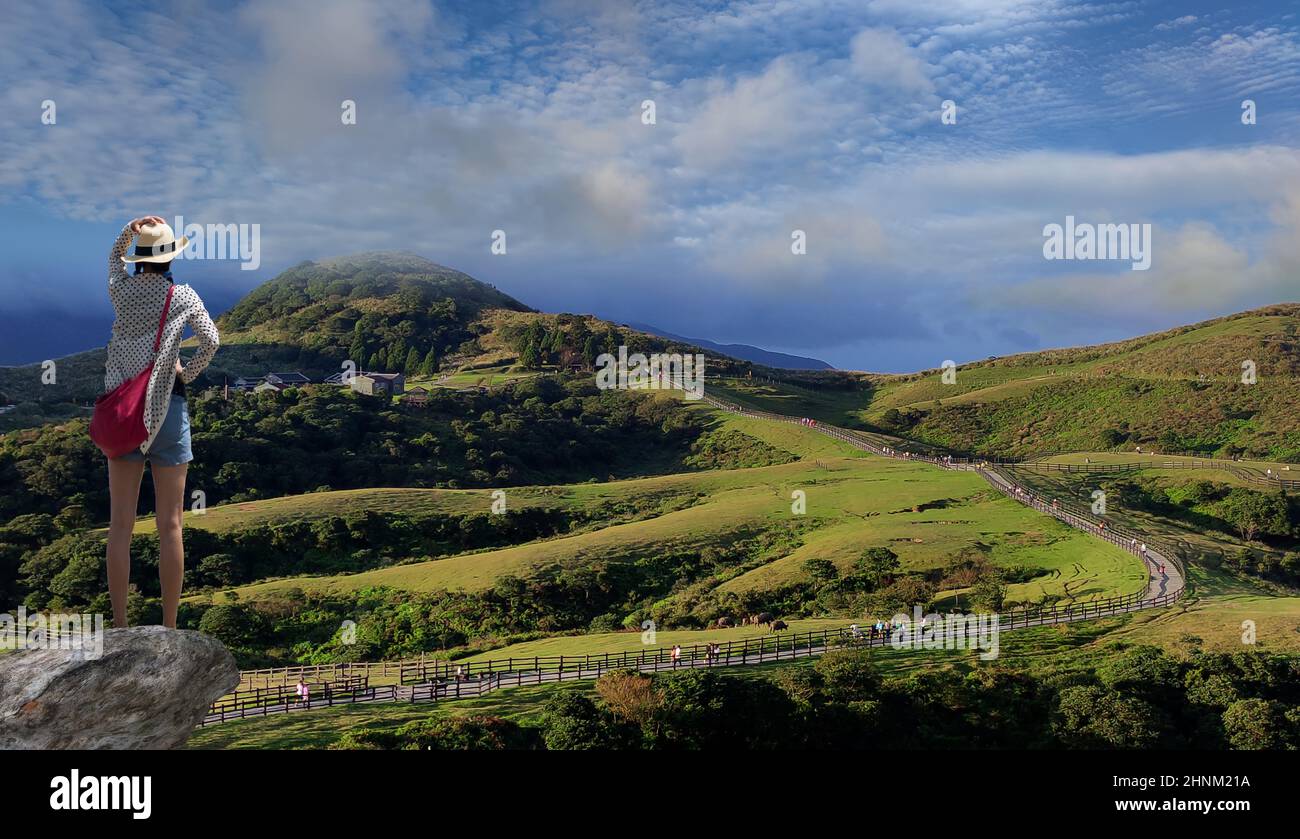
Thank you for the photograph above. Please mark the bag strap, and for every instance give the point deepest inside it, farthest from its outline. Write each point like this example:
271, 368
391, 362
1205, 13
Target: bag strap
157, 339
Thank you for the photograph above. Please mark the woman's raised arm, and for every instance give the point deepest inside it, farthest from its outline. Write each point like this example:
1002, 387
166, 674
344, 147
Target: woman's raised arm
116, 267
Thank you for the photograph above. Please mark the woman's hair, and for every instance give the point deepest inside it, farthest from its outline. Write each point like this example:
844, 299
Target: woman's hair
153, 267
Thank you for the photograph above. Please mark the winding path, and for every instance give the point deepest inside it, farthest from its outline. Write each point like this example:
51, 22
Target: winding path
1166, 576
1166, 583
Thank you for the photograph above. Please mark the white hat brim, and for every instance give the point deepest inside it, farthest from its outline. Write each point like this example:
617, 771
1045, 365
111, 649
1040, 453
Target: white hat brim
181, 244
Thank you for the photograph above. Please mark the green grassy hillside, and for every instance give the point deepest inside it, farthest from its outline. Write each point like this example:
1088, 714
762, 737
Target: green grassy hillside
854, 502
1177, 391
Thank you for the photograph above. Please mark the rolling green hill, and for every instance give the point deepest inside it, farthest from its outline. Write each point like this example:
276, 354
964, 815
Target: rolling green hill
1175, 391
688, 548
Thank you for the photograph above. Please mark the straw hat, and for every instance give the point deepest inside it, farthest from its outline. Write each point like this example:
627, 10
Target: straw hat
156, 243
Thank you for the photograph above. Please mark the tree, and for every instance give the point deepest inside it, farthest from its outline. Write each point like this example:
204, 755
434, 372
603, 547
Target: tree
805, 686
429, 367
1146, 671
990, 591
629, 695
72, 518
216, 570
700, 709
233, 625
1258, 724
530, 357
412, 365
1253, 513
397, 355
899, 597
820, 571
572, 721
556, 343
1091, 717
469, 733
876, 564
848, 675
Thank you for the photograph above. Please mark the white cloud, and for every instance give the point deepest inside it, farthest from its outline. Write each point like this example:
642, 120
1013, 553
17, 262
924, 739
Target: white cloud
774, 112
882, 57
1185, 20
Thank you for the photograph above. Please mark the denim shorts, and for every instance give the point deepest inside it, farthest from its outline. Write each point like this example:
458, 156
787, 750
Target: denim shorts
172, 445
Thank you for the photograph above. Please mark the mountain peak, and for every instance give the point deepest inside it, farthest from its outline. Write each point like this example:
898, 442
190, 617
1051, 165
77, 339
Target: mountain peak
392, 260
367, 281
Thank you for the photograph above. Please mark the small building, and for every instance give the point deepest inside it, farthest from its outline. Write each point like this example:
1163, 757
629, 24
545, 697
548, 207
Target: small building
243, 383
288, 379
374, 384
4, 409
269, 385
416, 396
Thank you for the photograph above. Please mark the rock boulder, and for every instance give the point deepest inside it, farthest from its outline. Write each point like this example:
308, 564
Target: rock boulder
148, 690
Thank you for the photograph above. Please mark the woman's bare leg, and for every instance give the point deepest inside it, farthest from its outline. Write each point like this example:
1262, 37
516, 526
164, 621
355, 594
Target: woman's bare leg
124, 491
169, 492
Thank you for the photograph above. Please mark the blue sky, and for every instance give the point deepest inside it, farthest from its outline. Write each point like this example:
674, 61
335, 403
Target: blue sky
924, 239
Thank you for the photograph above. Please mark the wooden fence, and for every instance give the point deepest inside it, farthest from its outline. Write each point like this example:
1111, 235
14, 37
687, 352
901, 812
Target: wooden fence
273, 676
260, 701
1250, 475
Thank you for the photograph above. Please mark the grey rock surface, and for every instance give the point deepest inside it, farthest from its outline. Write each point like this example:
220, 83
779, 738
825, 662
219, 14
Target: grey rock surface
148, 690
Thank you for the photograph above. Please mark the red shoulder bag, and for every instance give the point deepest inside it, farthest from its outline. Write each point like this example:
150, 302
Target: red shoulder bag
117, 424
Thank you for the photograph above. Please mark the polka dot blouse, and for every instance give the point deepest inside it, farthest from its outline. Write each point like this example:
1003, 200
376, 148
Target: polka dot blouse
137, 304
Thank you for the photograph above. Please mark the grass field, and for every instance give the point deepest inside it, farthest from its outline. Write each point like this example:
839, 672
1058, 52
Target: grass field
650, 494
1132, 456
488, 376
854, 501
1200, 543
833, 406
1219, 602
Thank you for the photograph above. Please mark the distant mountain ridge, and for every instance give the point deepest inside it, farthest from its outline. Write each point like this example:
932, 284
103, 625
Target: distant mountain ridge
399, 311
744, 352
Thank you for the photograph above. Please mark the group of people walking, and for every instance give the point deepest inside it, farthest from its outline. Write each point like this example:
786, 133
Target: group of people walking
879, 629
712, 653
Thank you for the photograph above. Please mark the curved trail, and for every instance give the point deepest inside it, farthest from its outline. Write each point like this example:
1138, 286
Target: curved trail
1166, 583
1166, 577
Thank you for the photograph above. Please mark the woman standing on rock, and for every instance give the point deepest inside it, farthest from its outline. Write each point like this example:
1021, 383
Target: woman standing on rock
150, 315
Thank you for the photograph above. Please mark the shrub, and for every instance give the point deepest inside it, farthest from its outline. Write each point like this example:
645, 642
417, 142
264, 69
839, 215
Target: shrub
571, 721
1258, 724
470, 733
1091, 717
848, 675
